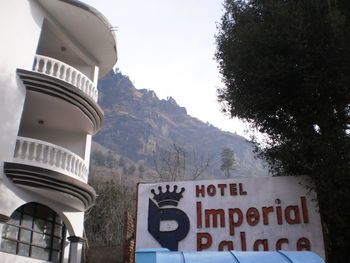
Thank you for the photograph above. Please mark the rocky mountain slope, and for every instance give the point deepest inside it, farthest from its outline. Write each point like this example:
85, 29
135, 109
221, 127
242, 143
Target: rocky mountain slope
138, 126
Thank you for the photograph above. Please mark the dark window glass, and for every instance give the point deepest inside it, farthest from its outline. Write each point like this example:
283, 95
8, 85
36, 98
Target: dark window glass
45, 213
23, 250
40, 253
41, 240
10, 232
58, 230
55, 256
16, 216
25, 235
27, 221
8, 246
56, 243
43, 226
29, 208
34, 231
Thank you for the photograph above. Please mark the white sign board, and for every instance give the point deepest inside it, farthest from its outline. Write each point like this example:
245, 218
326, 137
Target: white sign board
264, 213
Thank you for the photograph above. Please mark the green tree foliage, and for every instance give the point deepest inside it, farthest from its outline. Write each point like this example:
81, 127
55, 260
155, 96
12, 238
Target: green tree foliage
110, 161
104, 222
227, 161
141, 170
131, 169
98, 158
121, 162
285, 65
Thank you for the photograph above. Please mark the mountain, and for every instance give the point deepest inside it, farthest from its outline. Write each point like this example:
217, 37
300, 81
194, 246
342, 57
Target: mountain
139, 126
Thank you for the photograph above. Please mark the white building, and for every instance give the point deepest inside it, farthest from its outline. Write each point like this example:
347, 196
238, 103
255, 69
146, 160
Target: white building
52, 53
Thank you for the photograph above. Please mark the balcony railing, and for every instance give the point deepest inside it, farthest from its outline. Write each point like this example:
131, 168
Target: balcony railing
49, 156
65, 72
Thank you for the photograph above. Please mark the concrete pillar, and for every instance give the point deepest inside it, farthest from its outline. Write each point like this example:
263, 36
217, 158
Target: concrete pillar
74, 256
3, 220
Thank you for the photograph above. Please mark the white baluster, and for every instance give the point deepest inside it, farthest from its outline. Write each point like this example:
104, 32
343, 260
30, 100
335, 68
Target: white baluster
61, 159
70, 167
89, 90
55, 157
46, 66
50, 62
49, 155
44, 69
85, 86
55, 69
73, 78
69, 75
41, 64
42, 148
80, 170
65, 166
36, 64
81, 84
83, 172
20, 149
76, 167
34, 151
77, 80
76, 162
80, 81
64, 77
26, 155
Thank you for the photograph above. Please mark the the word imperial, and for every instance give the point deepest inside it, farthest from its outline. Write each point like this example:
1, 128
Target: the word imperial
234, 218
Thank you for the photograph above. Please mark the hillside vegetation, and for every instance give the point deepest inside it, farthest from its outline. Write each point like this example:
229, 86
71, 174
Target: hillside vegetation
138, 126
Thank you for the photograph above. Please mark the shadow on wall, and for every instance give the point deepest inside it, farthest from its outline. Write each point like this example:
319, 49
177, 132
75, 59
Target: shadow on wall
11, 101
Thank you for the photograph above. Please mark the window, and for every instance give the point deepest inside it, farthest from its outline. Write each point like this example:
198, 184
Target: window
34, 231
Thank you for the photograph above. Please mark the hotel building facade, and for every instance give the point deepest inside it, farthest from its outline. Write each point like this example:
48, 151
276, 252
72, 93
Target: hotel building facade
52, 54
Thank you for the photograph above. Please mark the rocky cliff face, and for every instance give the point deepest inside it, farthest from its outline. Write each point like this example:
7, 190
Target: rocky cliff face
138, 125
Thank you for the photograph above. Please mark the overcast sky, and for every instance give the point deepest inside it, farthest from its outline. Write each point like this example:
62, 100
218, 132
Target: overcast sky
168, 46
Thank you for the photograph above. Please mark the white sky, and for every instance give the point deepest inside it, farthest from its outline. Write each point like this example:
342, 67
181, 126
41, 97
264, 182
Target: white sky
168, 46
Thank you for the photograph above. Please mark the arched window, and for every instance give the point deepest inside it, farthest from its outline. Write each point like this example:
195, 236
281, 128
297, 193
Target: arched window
34, 231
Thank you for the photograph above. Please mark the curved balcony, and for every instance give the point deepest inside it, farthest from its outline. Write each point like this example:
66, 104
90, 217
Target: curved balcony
52, 172
57, 87
49, 156
60, 70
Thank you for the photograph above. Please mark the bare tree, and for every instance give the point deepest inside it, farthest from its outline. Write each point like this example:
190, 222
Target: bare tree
199, 165
175, 164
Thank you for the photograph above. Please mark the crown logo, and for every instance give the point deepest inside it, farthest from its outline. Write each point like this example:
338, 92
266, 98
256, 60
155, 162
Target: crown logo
167, 198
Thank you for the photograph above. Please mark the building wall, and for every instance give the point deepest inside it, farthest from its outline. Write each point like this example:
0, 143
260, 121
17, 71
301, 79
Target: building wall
20, 38
9, 258
72, 141
17, 51
55, 44
12, 197
22, 28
